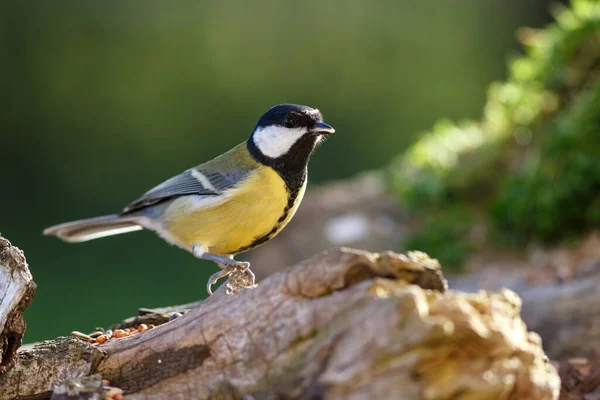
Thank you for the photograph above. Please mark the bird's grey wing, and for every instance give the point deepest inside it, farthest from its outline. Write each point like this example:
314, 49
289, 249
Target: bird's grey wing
198, 181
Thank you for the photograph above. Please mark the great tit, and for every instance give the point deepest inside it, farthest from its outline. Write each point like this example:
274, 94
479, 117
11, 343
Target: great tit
229, 205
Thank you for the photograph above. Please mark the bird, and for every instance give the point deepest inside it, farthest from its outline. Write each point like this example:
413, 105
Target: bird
229, 205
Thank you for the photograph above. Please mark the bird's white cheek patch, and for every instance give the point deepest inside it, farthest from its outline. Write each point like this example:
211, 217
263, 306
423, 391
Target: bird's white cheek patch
275, 141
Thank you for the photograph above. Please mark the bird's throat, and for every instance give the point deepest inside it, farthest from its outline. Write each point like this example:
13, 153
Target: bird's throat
290, 166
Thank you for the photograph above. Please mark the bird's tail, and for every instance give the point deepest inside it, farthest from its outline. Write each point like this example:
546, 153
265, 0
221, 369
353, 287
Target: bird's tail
93, 228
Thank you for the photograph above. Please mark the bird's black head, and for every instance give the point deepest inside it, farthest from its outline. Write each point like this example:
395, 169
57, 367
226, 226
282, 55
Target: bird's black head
286, 135
290, 116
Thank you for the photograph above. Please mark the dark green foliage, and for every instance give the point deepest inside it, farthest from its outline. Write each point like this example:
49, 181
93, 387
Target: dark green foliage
531, 166
557, 194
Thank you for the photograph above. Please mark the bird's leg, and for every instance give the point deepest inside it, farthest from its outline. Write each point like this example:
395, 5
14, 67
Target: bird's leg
227, 264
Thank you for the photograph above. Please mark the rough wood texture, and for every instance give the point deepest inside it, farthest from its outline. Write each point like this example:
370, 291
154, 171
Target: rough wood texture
566, 315
559, 290
16, 291
38, 369
345, 324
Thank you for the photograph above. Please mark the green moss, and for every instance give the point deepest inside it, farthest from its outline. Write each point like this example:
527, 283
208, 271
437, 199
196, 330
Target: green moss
532, 164
557, 194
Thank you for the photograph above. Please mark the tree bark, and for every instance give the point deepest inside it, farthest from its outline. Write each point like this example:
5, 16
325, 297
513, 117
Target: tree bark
345, 324
16, 291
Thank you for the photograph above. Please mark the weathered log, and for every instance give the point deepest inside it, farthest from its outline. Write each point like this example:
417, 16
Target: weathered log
47, 364
345, 324
16, 291
560, 293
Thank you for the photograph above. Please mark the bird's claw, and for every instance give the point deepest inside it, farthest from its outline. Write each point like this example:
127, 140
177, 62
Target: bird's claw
216, 276
242, 280
245, 278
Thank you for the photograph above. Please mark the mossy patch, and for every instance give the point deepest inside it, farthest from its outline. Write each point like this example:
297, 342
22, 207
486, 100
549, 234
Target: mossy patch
529, 170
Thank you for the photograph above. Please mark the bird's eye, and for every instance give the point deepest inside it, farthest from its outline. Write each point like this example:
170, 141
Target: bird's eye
289, 122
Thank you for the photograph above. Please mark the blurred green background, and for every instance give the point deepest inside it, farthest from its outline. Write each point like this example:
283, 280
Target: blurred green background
103, 100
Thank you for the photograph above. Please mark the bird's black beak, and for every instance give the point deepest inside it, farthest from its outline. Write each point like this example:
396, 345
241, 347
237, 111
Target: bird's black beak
321, 128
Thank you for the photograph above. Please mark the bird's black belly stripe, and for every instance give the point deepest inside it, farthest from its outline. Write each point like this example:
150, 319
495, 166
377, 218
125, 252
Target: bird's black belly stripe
293, 186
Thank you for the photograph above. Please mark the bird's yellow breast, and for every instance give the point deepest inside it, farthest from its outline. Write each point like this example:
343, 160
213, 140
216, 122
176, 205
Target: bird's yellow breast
240, 219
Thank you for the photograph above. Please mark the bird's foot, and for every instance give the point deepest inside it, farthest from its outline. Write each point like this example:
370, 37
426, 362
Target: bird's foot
216, 276
240, 276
